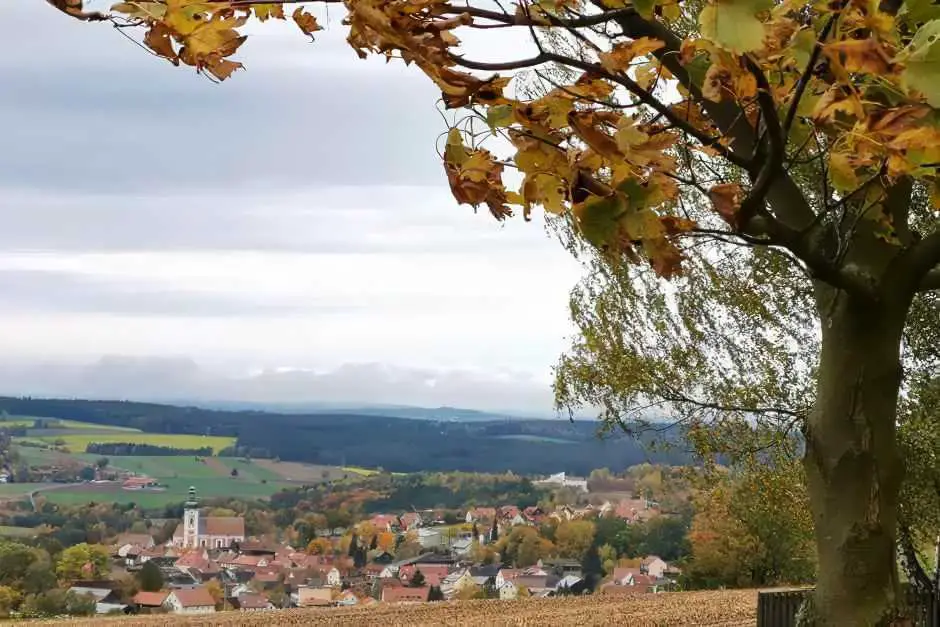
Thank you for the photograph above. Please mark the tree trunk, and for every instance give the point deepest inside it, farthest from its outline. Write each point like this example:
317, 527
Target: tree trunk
852, 463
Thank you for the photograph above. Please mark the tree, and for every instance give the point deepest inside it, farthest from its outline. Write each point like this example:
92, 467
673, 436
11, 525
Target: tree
775, 160
417, 579
753, 529
218, 593
102, 463
592, 568
234, 472
320, 546
573, 538
82, 561
9, 600
494, 531
149, 577
435, 594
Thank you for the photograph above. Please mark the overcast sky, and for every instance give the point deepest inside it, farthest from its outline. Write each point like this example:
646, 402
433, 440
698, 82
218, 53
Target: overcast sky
295, 217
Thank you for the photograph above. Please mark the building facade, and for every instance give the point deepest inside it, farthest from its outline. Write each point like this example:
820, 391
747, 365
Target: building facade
208, 532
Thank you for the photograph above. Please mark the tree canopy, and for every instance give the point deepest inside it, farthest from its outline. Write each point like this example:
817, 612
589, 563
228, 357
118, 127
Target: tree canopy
754, 183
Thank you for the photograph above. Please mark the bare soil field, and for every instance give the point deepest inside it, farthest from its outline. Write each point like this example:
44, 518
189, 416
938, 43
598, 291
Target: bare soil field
737, 608
302, 473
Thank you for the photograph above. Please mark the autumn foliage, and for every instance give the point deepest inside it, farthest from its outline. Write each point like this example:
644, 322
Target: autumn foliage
616, 144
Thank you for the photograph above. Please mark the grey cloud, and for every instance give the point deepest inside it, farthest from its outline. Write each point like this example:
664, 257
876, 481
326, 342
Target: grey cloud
176, 379
68, 292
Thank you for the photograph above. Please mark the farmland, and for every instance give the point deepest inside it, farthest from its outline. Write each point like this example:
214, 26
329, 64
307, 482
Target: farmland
78, 441
725, 609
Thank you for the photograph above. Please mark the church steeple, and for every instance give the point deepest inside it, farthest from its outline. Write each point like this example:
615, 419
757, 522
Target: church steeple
191, 520
192, 502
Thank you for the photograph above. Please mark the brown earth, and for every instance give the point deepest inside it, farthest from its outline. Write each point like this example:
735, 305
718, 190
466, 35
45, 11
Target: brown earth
303, 473
734, 608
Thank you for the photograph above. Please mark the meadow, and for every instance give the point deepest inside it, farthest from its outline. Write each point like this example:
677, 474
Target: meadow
77, 442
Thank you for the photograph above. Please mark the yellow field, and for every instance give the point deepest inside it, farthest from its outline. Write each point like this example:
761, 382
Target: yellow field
737, 608
77, 443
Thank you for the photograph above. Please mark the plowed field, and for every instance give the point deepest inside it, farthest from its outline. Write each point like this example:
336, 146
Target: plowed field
716, 609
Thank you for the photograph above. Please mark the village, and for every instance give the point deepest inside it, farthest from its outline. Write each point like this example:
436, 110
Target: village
210, 565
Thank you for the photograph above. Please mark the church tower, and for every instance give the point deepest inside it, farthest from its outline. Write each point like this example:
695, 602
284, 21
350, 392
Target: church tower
191, 521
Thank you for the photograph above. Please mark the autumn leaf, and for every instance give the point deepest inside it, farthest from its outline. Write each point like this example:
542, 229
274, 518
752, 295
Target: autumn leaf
622, 55
267, 11
727, 198
158, 39
305, 21
860, 55
598, 218
547, 190
842, 173
734, 25
922, 63
499, 116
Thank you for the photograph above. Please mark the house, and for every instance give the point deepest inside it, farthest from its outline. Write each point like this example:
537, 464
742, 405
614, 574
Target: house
410, 520
506, 574
150, 601
507, 590
429, 537
347, 598
384, 522
481, 514
454, 583
434, 574
572, 584
309, 596
143, 540
190, 601
461, 546
562, 480
653, 566
405, 595
634, 510
251, 602
214, 532
106, 599
625, 576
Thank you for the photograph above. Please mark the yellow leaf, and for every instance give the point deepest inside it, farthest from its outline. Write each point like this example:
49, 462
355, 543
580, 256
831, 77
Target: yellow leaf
455, 152
267, 11
621, 55
305, 21
842, 173
860, 55
546, 190
141, 10
734, 25
628, 135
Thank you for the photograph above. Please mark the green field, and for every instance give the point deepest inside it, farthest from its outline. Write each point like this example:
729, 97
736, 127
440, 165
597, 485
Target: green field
77, 442
16, 532
211, 478
8, 490
27, 421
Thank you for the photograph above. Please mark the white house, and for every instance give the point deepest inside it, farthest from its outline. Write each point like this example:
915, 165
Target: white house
508, 591
654, 566
190, 601
333, 578
430, 538
452, 584
562, 480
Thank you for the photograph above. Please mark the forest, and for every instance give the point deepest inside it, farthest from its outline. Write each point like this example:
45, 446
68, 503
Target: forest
395, 444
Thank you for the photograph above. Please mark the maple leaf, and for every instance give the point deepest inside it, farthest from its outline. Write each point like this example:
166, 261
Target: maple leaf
922, 63
306, 22
842, 173
734, 25
727, 199
860, 55
265, 12
159, 39
622, 55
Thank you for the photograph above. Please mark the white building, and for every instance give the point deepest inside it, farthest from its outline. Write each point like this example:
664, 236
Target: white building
211, 532
561, 480
192, 601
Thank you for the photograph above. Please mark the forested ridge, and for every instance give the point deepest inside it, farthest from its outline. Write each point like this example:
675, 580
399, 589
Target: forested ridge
397, 444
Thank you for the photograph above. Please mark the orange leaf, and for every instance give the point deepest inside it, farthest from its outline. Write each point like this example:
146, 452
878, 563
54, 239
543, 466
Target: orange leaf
727, 200
621, 55
306, 22
860, 55
158, 39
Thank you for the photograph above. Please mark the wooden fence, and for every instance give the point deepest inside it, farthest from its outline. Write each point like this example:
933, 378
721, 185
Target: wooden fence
778, 608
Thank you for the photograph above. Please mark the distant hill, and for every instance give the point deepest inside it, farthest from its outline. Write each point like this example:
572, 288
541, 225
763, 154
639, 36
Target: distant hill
392, 411
457, 440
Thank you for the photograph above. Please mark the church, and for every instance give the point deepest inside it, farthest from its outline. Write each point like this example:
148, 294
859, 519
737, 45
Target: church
209, 532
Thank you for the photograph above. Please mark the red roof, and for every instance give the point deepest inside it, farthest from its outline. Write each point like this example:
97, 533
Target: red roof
195, 597
250, 601
410, 595
150, 599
